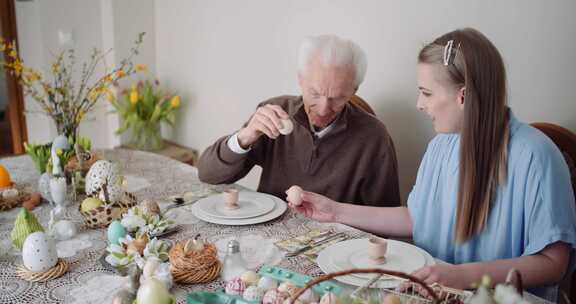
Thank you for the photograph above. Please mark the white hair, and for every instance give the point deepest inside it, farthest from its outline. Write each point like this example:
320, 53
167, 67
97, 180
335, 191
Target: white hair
333, 51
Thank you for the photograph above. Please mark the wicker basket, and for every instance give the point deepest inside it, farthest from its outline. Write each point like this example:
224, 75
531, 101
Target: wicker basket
417, 291
102, 216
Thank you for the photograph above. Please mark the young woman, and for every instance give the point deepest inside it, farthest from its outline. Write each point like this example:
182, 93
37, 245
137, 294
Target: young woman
491, 194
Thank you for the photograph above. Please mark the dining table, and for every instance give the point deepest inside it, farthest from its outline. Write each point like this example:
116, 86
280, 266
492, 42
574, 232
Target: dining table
153, 177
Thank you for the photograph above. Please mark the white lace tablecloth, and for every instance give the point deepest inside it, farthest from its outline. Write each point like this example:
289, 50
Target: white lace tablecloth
149, 176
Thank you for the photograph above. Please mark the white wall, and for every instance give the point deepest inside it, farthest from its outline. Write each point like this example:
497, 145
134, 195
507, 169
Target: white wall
102, 24
226, 56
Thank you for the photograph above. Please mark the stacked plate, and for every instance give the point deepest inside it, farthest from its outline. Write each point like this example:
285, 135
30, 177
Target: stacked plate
254, 208
350, 254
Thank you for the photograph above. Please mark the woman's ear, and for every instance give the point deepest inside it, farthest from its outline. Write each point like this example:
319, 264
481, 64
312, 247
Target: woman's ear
461, 95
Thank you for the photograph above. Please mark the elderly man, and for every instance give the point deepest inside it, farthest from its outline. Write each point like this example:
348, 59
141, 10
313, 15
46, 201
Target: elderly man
335, 148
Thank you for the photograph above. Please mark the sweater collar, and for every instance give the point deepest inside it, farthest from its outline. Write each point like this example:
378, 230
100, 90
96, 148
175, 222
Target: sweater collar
340, 124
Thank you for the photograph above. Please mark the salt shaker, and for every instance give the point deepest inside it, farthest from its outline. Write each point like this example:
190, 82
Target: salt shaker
233, 265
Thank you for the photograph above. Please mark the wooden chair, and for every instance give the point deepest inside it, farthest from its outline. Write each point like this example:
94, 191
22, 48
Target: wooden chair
360, 103
565, 140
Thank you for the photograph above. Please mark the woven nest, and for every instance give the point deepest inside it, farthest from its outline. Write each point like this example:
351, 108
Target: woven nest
194, 267
102, 216
25, 196
58, 270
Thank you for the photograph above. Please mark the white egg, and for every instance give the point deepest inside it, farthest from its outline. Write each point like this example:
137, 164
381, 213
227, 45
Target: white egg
267, 283
39, 252
294, 195
287, 127
150, 267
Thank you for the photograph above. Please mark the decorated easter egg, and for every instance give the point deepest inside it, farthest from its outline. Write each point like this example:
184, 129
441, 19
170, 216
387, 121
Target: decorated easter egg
115, 232
235, 287
250, 278
267, 283
288, 288
274, 296
101, 172
328, 298
253, 293
153, 292
39, 252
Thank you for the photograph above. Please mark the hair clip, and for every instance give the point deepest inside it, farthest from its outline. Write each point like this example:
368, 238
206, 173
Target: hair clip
448, 52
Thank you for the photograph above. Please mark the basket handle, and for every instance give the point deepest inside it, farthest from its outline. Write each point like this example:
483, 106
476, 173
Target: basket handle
332, 275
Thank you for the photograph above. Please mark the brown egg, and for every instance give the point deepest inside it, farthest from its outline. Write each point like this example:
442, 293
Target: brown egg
33, 201
150, 207
138, 245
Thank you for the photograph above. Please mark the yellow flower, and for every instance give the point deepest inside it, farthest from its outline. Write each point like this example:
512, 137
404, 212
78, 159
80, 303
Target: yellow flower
141, 67
120, 73
55, 68
2, 47
110, 96
80, 116
175, 101
133, 97
59, 152
13, 54
108, 78
17, 67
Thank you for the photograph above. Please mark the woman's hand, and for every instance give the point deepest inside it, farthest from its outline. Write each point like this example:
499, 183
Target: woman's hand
317, 207
444, 274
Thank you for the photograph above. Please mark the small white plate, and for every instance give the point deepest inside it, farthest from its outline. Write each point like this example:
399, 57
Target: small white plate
251, 204
279, 208
403, 257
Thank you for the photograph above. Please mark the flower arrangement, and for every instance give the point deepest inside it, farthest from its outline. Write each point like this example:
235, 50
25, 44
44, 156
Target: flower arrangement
40, 153
61, 96
139, 222
142, 109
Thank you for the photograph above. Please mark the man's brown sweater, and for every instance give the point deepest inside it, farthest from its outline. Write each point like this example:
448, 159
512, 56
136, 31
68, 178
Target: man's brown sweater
355, 162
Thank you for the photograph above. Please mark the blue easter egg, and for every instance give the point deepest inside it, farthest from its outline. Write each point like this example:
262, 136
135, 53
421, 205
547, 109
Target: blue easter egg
115, 231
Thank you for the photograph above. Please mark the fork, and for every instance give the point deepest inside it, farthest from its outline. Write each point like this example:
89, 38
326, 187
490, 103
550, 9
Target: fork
340, 235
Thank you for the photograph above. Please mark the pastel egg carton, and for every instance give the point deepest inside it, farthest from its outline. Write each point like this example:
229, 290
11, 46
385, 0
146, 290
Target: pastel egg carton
278, 273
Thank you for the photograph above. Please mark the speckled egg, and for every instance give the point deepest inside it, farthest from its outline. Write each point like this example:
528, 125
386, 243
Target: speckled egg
39, 252
328, 298
253, 293
250, 278
274, 296
235, 287
288, 288
150, 207
104, 171
267, 283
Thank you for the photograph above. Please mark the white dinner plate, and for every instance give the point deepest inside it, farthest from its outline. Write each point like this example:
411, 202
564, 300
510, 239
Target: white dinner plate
251, 204
349, 254
279, 208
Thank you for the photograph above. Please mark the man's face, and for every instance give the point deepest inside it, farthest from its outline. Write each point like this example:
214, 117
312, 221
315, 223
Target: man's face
325, 90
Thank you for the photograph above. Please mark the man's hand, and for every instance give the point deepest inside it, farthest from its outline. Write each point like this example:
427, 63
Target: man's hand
266, 120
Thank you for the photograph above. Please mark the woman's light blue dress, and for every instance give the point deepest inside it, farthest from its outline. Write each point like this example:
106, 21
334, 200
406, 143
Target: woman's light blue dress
534, 208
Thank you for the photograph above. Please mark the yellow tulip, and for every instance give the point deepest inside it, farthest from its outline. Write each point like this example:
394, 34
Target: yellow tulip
141, 67
133, 97
175, 102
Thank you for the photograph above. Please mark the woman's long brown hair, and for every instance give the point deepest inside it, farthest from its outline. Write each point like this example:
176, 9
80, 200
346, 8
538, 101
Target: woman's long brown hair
476, 65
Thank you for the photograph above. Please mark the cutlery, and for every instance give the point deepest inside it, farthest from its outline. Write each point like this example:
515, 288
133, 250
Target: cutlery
325, 240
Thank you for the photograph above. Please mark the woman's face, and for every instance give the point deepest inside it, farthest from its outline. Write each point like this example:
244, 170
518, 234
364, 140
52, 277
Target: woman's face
442, 102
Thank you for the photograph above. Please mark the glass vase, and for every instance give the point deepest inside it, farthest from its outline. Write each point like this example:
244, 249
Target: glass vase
146, 135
